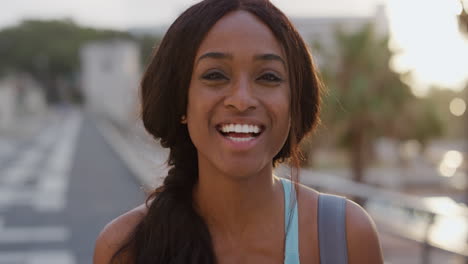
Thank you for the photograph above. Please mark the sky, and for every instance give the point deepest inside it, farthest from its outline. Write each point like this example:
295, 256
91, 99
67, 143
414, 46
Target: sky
423, 31
122, 14
430, 43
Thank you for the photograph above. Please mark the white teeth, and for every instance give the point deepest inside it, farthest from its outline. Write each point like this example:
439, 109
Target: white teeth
240, 139
238, 128
245, 129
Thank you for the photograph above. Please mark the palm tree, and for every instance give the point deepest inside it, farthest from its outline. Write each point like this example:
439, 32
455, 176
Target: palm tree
364, 93
463, 18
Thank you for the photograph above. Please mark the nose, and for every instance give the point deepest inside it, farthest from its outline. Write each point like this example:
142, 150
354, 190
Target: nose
241, 96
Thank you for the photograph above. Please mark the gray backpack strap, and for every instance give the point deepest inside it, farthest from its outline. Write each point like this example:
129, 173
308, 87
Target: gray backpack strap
332, 229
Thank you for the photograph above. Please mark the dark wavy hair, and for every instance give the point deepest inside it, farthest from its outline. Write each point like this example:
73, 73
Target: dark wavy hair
172, 231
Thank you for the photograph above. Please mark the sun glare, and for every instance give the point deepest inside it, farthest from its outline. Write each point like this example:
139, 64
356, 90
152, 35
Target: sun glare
450, 163
457, 106
425, 32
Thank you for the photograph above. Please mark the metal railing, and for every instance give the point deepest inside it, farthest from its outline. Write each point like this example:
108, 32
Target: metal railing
434, 222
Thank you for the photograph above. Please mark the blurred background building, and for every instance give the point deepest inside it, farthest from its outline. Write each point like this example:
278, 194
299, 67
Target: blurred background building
110, 74
20, 95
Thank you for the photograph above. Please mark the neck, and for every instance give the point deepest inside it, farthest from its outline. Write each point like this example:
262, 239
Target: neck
233, 206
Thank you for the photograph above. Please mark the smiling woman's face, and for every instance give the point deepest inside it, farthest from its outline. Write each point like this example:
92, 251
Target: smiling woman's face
238, 111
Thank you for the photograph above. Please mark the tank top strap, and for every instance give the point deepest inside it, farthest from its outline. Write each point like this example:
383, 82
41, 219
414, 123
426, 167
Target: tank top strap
332, 229
291, 223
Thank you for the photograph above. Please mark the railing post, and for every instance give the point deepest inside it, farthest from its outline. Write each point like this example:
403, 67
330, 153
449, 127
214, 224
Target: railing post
426, 250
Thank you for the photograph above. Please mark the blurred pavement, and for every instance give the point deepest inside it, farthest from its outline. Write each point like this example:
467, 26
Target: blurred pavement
60, 183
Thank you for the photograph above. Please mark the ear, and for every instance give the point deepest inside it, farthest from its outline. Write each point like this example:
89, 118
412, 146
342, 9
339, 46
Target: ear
183, 119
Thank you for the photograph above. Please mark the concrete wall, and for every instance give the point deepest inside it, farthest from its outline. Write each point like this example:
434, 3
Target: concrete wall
110, 79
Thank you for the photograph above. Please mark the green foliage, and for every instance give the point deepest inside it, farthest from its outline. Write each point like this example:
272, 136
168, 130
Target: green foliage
463, 18
367, 99
364, 92
49, 50
148, 45
47, 47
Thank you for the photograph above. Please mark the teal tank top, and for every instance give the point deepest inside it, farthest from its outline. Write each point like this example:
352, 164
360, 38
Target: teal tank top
331, 227
291, 224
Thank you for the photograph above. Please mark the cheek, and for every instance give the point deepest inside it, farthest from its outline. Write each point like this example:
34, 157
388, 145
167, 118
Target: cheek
195, 103
282, 107
200, 106
284, 114
193, 113
284, 123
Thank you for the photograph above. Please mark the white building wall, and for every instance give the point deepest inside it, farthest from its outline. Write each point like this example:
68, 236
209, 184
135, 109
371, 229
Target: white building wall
110, 78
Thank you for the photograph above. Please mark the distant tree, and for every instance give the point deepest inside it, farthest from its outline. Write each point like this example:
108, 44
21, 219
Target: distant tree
419, 119
364, 94
49, 51
148, 44
463, 18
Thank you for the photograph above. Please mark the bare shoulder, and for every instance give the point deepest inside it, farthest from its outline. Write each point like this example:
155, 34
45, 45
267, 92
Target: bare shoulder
363, 242
307, 204
361, 234
114, 234
307, 193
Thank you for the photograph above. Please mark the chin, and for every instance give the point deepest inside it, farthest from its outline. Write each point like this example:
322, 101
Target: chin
245, 170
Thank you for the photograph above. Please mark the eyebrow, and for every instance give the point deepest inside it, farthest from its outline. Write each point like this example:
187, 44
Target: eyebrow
221, 55
215, 55
270, 57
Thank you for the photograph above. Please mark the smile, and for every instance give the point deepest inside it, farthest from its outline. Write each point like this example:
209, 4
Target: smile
240, 132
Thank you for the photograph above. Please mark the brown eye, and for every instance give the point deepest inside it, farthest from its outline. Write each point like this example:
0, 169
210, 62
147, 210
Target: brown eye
270, 77
214, 76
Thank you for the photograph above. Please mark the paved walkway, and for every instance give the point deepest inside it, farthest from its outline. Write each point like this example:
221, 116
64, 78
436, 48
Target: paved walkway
58, 188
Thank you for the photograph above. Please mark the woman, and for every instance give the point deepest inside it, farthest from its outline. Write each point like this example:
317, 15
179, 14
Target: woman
231, 91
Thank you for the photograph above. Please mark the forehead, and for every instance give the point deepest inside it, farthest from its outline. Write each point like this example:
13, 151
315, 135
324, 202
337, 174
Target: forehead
237, 32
